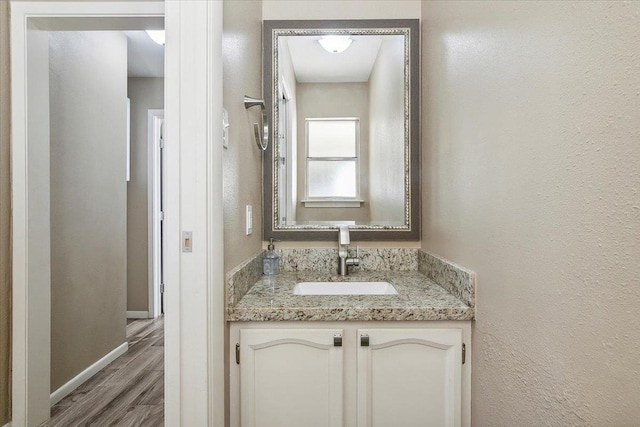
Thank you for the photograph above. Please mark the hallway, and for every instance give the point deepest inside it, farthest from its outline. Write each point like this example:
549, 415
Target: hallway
128, 392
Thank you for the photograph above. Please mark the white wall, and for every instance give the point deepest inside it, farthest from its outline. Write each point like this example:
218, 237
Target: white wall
386, 118
145, 94
531, 128
88, 91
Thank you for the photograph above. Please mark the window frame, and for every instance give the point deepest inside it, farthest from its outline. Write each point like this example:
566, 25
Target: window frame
332, 201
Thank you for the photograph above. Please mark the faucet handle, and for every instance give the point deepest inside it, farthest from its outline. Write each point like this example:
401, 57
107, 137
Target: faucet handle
352, 262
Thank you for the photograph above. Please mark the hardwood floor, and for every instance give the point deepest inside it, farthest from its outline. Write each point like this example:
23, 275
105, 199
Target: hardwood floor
128, 392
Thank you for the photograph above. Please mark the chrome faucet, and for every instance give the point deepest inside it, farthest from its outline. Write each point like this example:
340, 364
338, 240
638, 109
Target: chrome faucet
344, 261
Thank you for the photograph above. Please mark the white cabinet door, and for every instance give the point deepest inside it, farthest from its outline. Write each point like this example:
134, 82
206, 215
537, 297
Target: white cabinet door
290, 377
409, 377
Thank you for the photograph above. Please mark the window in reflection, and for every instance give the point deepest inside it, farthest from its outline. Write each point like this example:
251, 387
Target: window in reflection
332, 159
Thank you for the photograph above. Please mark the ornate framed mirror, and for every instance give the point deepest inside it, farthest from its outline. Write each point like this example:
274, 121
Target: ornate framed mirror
343, 100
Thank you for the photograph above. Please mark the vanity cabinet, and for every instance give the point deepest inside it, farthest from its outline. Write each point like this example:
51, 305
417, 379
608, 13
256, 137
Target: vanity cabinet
289, 375
409, 377
349, 374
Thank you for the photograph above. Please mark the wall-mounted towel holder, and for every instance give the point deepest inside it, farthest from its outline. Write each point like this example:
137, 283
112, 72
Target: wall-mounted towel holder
261, 139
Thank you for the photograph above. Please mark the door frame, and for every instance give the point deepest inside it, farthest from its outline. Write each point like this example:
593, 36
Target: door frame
287, 135
154, 197
194, 320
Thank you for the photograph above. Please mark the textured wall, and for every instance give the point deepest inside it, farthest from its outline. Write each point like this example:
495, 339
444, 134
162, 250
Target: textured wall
317, 100
340, 9
242, 161
5, 220
531, 133
145, 94
242, 168
88, 91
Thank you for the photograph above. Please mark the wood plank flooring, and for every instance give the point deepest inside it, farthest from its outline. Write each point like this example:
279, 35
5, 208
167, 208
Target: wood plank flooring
129, 392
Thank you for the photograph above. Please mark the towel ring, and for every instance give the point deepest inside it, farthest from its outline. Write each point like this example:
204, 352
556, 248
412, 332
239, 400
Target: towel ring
261, 140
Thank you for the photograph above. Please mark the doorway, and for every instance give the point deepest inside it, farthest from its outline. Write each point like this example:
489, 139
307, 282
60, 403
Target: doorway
156, 211
287, 143
84, 79
76, 87
195, 304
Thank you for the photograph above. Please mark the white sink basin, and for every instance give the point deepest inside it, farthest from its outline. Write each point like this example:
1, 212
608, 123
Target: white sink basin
344, 288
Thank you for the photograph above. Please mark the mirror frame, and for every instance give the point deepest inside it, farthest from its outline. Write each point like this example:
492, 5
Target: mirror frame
410, 231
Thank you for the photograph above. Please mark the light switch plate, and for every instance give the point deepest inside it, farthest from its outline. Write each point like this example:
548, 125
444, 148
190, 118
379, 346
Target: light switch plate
249, 219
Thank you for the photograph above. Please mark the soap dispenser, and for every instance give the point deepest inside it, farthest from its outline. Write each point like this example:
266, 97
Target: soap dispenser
271, 261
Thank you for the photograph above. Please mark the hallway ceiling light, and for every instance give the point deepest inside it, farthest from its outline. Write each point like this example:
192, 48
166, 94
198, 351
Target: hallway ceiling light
157, 36
335, 44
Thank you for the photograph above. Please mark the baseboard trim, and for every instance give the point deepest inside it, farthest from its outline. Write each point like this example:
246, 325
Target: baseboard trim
137, 314
7, 424
83, 376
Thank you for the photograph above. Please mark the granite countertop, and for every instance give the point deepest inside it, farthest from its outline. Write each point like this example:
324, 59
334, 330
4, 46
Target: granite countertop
419, 298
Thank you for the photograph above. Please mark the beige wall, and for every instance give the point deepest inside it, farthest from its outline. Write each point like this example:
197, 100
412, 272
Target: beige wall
341, 9
318, 100
386, 115
531, 127
88, 90
5, 220
145, 94
242, 168
242, 161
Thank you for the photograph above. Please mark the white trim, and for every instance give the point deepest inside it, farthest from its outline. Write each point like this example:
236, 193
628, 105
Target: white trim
83, 376
332, 203
154, 123
31, 306
172, 89
214, 219
194, 291
138, 315
128, 158
7, 424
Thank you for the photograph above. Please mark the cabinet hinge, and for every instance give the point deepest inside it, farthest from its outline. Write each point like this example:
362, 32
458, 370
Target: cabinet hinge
237, 354
337, 340
161, 142
364, 340
464, 353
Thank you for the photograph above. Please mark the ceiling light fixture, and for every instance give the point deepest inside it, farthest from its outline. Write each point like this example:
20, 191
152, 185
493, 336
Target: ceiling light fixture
157, 36
335, 44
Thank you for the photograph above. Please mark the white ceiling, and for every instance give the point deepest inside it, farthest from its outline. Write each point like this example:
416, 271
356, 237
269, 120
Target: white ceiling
145, 57
313, 64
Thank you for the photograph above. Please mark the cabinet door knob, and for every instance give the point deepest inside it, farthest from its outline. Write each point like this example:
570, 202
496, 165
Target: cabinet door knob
337, 340
364, 340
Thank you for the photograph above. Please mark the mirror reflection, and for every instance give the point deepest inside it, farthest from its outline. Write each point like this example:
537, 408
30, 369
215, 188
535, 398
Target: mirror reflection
341, 121
343, 103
